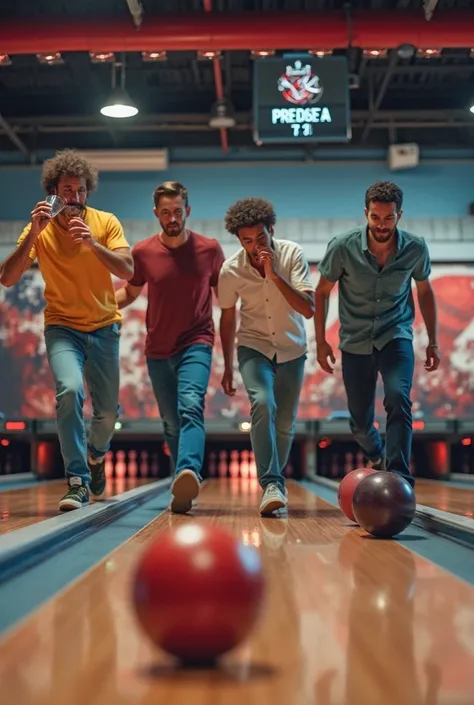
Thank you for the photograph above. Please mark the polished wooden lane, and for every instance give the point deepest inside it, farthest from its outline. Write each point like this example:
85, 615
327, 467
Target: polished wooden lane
30, 505
447, 497
348, 621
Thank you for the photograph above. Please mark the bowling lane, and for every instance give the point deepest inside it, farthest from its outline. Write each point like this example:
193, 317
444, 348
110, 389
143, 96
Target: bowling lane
446, 497
30, 505
348, 621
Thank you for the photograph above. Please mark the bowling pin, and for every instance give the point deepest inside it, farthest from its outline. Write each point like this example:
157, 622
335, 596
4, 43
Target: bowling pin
109, 464
155, 465
245, 464
120, 465
212, 464
253, 466
132, 464
222, 463
234, 466
144, 464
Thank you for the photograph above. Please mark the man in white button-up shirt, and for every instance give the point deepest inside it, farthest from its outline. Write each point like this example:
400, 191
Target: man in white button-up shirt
271, 279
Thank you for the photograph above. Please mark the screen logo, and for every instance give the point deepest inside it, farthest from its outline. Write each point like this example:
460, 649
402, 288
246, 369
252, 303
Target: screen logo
299, 85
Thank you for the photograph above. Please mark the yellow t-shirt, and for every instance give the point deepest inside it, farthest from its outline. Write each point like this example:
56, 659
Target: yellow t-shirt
79, 291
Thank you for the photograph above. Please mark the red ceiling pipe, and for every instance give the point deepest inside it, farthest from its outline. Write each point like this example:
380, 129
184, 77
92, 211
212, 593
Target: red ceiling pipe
228, 31
219, 86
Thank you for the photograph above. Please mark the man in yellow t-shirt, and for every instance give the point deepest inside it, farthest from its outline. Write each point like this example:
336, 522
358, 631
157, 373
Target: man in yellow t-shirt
77, 251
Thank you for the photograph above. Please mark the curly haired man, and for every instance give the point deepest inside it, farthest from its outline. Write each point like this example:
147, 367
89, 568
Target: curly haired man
271, 279
77, 251
374, 266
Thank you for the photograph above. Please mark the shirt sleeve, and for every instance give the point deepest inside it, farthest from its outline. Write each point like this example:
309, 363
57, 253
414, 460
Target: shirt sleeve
422, 269
138, 278
300, 274
32, 254
331, 264
227, 295
114, 236
219, 259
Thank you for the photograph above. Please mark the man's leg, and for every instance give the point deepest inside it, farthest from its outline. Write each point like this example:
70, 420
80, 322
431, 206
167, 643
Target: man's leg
258, 374
396, 362
359, 373
66, 350
102, 373
165, 388
193, 369
288, 383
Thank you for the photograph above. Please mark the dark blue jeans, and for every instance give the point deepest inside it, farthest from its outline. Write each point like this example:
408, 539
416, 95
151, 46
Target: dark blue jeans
180, 384
395, 362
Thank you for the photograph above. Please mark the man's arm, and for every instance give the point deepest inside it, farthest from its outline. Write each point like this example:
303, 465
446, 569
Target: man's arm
227, 333
321, 300
127, 295
21, 259
16, 264
298, 291
427, 304
116, 255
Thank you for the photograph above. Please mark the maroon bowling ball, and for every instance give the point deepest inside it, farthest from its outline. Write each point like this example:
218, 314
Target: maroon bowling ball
198, 591
384, 504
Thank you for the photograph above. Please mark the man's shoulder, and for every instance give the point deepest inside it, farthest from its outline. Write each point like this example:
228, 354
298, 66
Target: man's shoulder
144, 245
203, 242
235, 262
413, 240
287, 247
348, 237
103, 216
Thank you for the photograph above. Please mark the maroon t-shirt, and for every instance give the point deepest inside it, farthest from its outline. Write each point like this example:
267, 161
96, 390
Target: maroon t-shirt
179, 311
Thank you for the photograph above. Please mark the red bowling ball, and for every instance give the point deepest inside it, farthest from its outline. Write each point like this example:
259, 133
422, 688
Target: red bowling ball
348, 486
198, 592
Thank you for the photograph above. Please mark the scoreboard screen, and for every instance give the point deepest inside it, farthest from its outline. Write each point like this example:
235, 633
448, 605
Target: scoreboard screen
301, 98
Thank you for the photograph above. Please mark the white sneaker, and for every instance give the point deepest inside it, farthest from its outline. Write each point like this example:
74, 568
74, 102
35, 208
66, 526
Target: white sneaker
185, 489
273, 498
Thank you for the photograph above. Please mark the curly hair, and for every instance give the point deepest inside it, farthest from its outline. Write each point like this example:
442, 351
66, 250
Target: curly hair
384, 192
69, 162
249, 212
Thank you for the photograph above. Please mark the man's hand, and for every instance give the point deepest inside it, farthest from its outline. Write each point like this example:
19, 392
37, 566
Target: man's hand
266, 256
323, 352
227, 383
81, 233
40, 217
432, 358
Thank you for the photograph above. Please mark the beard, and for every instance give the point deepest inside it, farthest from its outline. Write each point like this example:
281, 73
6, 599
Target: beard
173, 229
382, 235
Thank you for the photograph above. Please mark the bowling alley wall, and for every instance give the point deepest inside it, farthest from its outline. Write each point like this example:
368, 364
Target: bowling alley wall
312, 203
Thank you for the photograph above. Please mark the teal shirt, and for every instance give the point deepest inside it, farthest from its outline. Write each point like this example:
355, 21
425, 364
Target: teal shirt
375, 303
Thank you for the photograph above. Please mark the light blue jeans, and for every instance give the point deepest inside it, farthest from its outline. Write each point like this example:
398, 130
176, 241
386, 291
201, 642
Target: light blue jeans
74, 356
274, 392
180, 384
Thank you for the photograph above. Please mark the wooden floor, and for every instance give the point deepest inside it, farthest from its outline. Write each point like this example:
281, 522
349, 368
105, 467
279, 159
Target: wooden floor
348, 621
32, 504
448, 498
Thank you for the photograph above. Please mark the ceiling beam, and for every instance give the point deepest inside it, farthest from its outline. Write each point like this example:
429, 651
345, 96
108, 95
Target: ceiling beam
7, 130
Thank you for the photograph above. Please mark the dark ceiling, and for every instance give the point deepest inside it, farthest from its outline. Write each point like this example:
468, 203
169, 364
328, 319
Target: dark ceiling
50, 107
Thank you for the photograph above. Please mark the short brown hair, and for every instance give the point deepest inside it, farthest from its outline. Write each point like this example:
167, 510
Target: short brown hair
250, 212
69, 162
384, 192
170, 188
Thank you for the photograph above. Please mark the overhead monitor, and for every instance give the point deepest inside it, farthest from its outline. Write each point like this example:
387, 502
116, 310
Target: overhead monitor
301, 98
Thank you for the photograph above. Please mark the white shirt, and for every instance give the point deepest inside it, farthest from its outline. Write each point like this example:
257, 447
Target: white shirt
268, 323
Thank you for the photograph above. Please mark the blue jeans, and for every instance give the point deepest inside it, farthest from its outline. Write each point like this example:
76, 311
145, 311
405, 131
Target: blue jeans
395, 362
274, 393
180, 385
74, 356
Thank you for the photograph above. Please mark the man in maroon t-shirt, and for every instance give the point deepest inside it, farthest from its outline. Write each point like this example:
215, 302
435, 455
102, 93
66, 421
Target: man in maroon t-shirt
180, 268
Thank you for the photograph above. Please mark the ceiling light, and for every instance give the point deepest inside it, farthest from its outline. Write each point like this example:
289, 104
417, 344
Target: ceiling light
207, 55
221, 115
52, 58
320, 53
375, 53
262, 53
154, 55
428, 53
119, 105
102, 57
5, 60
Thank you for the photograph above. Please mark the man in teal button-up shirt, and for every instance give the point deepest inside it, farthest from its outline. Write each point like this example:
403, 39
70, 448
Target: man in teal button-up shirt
374, 267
